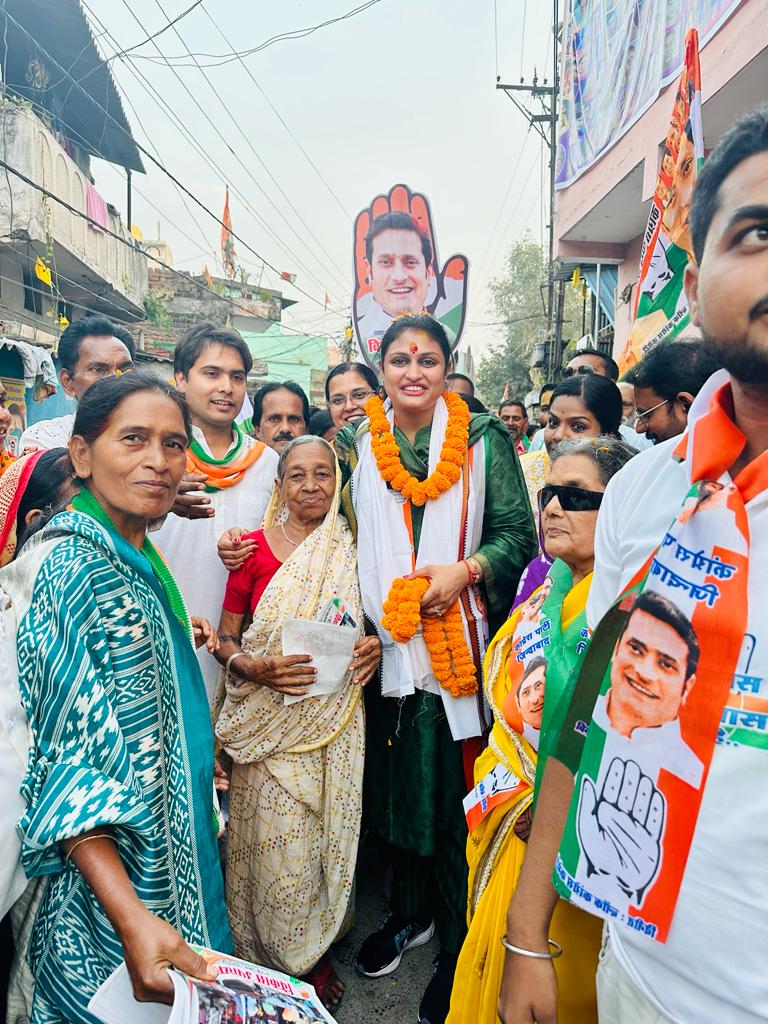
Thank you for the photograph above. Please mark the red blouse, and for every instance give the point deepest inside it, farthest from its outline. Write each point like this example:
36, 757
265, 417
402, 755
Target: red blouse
246, 584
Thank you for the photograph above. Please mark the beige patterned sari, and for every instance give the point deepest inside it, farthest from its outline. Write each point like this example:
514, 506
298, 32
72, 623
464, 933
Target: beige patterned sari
296, 792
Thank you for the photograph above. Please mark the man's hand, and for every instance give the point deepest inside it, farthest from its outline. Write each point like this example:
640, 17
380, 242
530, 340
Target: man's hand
528, 990
233, 550
150, 946
620, 830
204, 633
191, 500
366, 659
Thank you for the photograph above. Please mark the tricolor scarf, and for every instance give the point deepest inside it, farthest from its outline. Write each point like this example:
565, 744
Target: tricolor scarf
661, 674
229, 471
85, 503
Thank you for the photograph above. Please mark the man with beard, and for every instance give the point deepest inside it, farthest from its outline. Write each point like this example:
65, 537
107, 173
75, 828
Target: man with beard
666, 383
712, 966
280, 413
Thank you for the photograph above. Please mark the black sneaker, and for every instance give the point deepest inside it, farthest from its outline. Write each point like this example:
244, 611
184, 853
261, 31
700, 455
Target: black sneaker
436, 1001
382, 952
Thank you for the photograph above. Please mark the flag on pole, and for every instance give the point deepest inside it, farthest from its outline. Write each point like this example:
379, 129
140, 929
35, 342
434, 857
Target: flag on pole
327, 301
43, 272
227, 241
287, 276
207, 276
661, 308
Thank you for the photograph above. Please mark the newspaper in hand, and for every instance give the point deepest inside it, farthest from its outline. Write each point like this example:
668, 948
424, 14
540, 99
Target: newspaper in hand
242, 992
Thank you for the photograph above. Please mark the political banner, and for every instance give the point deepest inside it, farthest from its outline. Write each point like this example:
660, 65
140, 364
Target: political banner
661, 306
397, 271
664, 658
16, 404
637, 47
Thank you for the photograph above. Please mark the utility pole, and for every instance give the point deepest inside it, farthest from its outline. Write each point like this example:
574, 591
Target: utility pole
545, 123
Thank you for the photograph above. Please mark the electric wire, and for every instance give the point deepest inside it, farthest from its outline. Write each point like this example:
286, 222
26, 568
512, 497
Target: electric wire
153, 160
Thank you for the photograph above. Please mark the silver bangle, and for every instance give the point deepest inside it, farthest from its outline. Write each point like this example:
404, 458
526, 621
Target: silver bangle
529, 952
231, 658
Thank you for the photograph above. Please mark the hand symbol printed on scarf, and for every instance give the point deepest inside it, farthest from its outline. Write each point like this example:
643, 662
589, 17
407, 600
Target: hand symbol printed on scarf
620, 830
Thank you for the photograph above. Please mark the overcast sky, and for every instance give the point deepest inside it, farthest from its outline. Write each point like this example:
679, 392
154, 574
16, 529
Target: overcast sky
403, 91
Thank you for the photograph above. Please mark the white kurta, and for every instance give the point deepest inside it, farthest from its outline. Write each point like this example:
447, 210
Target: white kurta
189, 545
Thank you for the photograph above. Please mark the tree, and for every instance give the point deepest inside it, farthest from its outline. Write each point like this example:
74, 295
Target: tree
518, 300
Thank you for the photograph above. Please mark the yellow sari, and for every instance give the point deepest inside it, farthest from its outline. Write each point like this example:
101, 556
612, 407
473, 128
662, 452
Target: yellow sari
495, 855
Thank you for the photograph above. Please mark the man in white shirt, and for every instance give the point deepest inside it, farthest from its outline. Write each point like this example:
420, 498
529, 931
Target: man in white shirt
89, 349
211, 365
712, 967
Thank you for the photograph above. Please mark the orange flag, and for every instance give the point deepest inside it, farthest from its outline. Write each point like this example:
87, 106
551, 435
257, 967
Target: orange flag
227, 241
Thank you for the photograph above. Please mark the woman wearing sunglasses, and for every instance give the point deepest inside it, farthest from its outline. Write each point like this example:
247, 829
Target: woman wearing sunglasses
530, 669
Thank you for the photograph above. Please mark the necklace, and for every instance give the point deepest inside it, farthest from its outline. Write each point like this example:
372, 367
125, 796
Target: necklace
293, 543
452, 455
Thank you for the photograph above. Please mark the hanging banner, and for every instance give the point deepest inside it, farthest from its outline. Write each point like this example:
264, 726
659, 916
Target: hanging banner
397, 271
664, 658
637, 48
661, 307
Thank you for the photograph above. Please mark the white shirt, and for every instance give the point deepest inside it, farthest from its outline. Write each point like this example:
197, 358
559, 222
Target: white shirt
47, 434
14, 746
189, 545
631, 436
712, 969
654, 748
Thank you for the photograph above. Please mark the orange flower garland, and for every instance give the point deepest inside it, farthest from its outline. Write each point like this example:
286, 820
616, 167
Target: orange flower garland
451, 663
447, 472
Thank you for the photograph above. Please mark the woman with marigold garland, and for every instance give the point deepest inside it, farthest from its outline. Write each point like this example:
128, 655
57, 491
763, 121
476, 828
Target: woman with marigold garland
444, 529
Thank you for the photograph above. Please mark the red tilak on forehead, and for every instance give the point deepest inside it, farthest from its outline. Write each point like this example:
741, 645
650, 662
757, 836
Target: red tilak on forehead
414, 348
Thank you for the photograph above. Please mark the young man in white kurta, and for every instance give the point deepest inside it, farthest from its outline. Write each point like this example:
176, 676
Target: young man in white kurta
211, 366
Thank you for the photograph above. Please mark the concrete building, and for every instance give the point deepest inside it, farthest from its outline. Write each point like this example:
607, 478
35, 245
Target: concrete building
601, 215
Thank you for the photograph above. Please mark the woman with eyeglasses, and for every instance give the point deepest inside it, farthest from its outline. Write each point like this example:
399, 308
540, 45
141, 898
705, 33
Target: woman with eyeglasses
348, 387
530, 670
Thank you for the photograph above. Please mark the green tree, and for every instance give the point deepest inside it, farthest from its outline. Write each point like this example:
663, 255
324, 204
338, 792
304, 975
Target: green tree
518, 300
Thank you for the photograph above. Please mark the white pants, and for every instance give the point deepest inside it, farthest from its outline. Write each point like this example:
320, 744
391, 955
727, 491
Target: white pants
619, 1000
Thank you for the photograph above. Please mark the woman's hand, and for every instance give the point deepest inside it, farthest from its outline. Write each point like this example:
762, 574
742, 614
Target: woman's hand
220, 777
528, 991
446, 583
191, 500
204, 633
366, 659
150, 946
292, 674
233, 550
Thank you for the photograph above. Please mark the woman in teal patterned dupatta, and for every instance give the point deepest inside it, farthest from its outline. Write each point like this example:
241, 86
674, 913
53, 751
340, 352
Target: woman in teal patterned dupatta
119, 788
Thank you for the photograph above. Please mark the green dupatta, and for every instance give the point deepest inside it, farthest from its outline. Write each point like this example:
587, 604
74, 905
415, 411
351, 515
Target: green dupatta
85, 502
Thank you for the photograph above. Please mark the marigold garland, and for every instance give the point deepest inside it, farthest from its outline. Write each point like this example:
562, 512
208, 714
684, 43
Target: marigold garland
449, 656
446, 473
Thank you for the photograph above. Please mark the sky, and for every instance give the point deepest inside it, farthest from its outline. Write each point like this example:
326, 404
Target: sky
401, 92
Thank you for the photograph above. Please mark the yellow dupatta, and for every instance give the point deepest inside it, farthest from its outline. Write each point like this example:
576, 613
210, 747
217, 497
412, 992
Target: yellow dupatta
495, 855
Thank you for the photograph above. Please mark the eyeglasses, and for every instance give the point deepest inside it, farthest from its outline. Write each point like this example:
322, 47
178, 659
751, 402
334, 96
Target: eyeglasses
647, 413
570, 371
572, 499
356, 397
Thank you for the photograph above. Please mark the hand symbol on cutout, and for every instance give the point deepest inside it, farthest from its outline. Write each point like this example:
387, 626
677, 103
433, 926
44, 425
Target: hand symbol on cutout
403, 274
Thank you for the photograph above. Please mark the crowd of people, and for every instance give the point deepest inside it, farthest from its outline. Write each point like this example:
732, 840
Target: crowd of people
235, 648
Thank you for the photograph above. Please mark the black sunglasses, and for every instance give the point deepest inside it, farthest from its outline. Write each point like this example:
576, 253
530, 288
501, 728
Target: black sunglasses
572, 499
571, 371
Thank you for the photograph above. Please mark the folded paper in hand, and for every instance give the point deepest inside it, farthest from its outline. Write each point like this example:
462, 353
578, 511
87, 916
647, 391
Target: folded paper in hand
330, 647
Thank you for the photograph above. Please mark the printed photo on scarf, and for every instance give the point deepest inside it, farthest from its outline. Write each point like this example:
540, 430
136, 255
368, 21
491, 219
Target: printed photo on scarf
669, 648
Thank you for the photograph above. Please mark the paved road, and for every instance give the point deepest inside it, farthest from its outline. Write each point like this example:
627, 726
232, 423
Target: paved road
391, 1000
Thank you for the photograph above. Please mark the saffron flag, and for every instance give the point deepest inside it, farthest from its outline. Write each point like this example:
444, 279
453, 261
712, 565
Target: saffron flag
661, 308
227, 240
288, 276
327, 301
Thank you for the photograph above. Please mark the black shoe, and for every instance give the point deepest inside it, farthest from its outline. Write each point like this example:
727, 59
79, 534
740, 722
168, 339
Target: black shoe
382, 952
436, 1001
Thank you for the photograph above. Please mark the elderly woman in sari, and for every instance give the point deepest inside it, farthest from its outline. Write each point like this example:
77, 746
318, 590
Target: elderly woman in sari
296, 790
119, 815
529, 678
